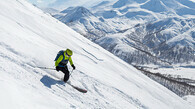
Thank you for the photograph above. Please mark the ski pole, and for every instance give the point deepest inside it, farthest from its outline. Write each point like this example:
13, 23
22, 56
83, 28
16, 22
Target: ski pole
71, 72
46, 68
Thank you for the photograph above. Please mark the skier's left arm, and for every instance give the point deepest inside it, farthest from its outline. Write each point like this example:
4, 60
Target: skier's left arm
71, 63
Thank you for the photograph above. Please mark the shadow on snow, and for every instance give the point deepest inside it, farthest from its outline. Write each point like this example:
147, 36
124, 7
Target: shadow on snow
48, 81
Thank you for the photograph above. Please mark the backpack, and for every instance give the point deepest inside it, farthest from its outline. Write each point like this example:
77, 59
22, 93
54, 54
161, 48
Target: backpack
61, 52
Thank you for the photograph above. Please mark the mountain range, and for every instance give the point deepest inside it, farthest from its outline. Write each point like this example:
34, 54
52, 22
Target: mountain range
158, 31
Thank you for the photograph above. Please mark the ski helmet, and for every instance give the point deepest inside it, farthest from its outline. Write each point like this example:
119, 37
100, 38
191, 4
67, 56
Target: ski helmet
69, 52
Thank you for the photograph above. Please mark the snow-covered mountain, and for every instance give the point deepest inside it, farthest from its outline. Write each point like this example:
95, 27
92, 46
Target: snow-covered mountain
169, 40
52, 11
31, 38
84, 22
154, 8
160, 30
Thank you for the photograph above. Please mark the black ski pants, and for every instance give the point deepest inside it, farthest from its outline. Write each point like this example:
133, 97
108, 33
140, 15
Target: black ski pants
66, 72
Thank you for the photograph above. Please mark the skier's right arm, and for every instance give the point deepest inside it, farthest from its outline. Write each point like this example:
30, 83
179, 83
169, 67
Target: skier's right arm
58, 60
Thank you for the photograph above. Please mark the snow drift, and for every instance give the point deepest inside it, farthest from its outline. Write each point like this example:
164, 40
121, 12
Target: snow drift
31, 38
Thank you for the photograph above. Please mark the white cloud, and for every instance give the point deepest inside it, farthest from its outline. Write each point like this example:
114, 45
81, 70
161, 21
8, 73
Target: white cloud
192, 0
39, 1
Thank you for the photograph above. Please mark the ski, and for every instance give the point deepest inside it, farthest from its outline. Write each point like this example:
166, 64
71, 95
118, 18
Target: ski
77, 88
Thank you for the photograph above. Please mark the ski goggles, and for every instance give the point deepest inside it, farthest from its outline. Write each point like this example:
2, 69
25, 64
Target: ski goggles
67, 55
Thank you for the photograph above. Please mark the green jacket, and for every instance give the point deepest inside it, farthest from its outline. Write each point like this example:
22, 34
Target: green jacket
63, 62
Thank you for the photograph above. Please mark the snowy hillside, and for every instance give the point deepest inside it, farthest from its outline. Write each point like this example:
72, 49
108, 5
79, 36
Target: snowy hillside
30, 38
170, 40
84, 22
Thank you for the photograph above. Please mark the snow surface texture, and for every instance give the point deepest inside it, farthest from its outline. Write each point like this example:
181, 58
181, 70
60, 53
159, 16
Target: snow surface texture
29, 38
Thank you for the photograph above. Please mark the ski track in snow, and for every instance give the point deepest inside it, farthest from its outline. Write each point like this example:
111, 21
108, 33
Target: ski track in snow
97, 86
92, 55
94, 87
58, 87
14, 58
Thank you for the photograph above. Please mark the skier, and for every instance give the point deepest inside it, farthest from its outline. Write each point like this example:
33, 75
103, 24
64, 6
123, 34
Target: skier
61, 62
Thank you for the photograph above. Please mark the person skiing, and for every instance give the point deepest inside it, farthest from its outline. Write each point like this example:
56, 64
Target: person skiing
61, 62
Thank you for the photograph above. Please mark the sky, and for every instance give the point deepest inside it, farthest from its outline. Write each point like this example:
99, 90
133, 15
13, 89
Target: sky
58, 3
46, 2
62, 4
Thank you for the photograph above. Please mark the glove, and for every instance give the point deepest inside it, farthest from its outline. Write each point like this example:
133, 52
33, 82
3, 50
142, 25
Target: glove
73, 67
57, 68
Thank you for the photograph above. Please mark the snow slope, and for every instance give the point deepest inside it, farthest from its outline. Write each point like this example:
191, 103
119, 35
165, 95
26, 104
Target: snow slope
29, 38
